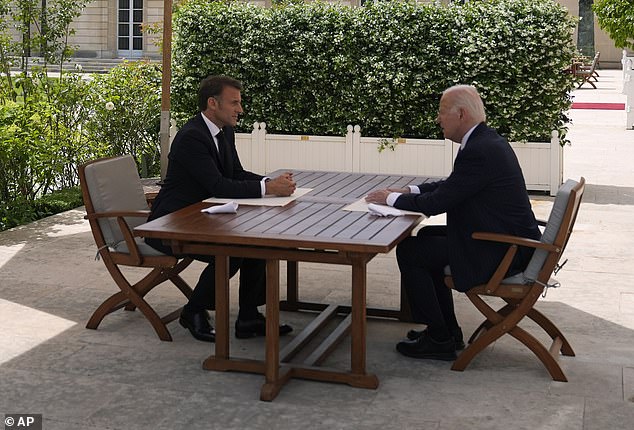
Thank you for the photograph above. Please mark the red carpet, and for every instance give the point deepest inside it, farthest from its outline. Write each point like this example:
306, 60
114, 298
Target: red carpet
604, 106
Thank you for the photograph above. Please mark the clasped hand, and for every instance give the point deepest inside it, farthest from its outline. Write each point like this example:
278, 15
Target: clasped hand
281, 186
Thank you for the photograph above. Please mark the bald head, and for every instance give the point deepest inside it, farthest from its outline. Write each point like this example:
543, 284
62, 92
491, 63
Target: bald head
461, 108
467, 97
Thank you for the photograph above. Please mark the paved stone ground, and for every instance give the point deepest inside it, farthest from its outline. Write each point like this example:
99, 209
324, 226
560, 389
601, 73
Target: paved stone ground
122, 377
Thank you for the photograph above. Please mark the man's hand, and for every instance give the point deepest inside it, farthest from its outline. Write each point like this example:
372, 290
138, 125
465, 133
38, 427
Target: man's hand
282, 185
380, 196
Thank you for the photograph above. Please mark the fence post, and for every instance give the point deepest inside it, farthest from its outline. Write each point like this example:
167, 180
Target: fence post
449, 157
172, 132
628, 89
356, 149
628, 66
629, 104
556, 163
349, 150
259, 156
255, 159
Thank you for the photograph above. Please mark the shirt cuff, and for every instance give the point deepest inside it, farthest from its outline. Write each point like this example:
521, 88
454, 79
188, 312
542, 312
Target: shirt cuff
391, 198
263, 185
414, 189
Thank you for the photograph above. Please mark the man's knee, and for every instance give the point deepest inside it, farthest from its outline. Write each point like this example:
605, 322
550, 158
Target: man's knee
406, 249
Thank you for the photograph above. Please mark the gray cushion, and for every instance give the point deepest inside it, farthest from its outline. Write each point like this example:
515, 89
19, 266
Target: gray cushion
550, 233
144, 248
515, 279
114, 185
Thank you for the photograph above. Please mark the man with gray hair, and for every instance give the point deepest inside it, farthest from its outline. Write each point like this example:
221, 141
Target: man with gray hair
486, 191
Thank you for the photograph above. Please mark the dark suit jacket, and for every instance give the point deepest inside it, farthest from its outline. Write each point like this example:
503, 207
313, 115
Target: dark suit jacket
485, 192
195, 171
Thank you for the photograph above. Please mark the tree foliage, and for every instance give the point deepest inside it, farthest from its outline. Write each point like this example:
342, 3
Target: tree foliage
616, 17
51, 123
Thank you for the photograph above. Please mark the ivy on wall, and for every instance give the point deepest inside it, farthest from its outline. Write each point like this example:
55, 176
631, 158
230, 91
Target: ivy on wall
315, 68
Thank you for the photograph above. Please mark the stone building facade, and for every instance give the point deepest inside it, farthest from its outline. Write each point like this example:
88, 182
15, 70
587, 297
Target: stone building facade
117, 29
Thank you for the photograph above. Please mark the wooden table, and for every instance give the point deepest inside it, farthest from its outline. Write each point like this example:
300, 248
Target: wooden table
313, 228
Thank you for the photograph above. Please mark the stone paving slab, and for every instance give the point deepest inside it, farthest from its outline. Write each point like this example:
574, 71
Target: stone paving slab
122, 377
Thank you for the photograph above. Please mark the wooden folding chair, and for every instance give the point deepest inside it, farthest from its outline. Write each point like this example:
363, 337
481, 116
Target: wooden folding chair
521, 291
115, 204
588, 73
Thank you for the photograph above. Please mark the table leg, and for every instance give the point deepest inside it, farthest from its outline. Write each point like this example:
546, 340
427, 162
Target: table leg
359, 328
292, 281
272, 384
218, 360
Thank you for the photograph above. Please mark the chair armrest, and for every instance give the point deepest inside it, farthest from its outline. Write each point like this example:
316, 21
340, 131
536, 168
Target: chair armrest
125, 229
513, 240
116, 214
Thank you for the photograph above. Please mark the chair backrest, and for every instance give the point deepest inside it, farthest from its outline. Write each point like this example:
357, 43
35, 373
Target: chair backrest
557, 232
112, 184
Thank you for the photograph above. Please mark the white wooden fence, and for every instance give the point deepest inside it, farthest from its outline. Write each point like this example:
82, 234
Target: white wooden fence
628, 89
542, 163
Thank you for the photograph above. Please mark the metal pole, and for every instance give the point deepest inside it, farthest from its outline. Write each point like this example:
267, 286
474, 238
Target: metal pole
165, 85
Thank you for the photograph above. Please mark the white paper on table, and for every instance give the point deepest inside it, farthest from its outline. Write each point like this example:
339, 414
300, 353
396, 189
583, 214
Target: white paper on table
227, 208
264, 201
362, 206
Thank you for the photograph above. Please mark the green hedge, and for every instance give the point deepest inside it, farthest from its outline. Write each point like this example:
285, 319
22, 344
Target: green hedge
315, 68
22, 211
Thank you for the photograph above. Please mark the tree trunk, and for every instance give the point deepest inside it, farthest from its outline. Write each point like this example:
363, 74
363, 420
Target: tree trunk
585, 33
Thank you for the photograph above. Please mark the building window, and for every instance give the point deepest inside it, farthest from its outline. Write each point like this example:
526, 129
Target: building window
129, 35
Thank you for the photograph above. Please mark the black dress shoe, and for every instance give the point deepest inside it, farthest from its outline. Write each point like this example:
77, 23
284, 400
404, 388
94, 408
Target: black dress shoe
456, 333
257, 327
426, 347
198, 325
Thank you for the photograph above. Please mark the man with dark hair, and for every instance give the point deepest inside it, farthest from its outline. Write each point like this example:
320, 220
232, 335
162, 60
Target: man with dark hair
485, 192
203, 163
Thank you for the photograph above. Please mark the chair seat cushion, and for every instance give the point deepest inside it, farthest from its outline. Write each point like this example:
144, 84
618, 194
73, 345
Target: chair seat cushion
144, 248
518, 278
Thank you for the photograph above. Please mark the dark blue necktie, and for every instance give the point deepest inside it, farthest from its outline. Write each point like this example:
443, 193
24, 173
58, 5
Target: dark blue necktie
222, 147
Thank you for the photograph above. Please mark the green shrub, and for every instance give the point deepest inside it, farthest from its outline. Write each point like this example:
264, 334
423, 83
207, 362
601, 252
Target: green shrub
54, 124
40, 136
16, 212
58, 201
126, 113
315, 68
21, 211
49, 125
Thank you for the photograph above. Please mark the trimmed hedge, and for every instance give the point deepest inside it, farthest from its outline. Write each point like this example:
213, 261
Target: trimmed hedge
315, 68
21, 211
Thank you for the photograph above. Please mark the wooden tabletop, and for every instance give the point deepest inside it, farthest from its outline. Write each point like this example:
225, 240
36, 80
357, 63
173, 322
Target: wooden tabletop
315, 220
